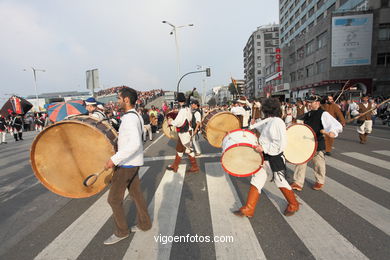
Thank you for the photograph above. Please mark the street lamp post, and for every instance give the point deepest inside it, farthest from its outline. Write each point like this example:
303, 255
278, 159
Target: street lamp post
35, 85
174, 28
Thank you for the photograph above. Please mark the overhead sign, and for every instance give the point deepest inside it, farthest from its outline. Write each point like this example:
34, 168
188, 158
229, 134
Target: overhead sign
351, 40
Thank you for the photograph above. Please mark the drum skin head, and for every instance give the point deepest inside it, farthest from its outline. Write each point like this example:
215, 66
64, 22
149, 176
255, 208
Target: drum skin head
219, 125
301, 144
65, 153
241, 160
169, 132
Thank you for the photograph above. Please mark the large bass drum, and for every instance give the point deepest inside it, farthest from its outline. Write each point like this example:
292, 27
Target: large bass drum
301, 144
67, 152
170, 131
217, 124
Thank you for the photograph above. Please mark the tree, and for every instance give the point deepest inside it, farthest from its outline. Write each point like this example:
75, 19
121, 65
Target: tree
212, 102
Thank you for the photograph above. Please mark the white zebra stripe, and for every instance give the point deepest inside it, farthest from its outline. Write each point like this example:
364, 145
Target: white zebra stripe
369, 159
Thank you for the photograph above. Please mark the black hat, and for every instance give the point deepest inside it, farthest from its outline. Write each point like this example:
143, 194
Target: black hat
181, 97
194, 101
313, 98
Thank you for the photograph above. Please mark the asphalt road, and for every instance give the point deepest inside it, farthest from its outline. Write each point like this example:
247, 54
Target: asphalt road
348, 219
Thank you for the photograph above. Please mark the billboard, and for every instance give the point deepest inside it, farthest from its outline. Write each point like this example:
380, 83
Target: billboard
351, 40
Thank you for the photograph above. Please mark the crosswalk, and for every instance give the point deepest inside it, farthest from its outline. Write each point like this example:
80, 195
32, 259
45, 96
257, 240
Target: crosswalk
318, 233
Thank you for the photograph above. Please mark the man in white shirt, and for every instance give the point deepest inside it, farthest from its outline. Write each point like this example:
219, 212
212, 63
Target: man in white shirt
239, 111
91, 106
182, 122
272, 142
128, 159
323, 124
196, 122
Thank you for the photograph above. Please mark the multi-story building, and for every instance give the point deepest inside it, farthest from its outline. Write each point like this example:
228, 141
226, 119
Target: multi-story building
327, 44
258, 53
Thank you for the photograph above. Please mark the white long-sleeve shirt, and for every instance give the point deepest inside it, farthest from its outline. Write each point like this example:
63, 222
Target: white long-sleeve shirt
130, 145
330, 124
273, 136
183, 115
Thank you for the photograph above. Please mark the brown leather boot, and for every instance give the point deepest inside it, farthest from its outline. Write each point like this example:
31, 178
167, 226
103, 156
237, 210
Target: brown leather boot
361, 137
175, 166
365, 137
293, 205
194, 166
248, 209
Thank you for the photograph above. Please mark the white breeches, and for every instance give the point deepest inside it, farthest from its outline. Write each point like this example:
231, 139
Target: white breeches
259, 178
365, 128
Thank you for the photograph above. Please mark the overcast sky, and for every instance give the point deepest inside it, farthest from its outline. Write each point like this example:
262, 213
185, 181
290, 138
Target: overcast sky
125, 40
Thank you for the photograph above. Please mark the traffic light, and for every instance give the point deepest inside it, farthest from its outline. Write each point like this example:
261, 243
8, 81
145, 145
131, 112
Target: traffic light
208, 72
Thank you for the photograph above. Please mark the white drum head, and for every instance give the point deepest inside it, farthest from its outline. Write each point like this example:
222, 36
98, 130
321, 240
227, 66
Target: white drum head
241, 160
301, 144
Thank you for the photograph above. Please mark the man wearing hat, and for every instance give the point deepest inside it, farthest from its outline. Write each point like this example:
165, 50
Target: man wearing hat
196, 121
238, 110
365, 122
182, 122
91, 106
323, 124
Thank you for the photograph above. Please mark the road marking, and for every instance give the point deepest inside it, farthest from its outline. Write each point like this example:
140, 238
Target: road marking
75, 238
374, 213
322, 240
155, 141
171, 157
163, 210
223, 196
366, 176
383, 152
370, 136
369, 159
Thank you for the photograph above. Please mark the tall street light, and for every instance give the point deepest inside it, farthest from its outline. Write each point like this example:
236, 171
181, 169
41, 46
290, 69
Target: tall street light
174, 28
35, 84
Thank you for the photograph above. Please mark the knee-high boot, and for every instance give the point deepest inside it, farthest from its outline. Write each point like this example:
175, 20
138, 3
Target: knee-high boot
21, 136
175, 166
249, 208
361, 137
293, 205
16, 137
194, 166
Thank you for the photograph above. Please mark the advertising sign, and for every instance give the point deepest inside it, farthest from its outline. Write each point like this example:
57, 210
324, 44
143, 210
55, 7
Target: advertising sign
351, 40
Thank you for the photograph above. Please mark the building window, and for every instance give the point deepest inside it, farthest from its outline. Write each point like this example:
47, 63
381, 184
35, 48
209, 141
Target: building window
300, 53
320, 66
259, 57
303, 6
322, 40
331, 9
269, 50
293, 76
311, 12
292, 58
384, 59
258, 50
309, 70
310, 48
258, 36
384, 32
311, 25
258, 43
320, 3
320, 17
259, 72
300, 74
258, 65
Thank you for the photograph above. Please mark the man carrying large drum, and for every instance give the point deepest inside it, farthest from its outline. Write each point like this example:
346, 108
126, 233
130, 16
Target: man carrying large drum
182, 122
272, 143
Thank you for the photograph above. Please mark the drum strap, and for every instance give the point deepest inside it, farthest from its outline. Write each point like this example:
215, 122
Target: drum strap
140, 122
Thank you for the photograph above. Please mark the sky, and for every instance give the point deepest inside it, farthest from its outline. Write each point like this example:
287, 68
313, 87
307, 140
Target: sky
126, 41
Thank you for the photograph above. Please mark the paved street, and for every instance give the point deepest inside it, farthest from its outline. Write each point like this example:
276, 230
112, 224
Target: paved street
348, 219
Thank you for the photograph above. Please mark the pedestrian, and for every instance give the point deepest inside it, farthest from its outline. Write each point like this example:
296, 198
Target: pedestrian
17, 126
127, 161
335, 111
196, 122
3, 129
182, 122
272, 142
364, 122
322, 124
91, 106
147, 126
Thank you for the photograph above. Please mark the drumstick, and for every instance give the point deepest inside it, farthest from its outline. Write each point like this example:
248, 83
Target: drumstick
368, 111
91, 179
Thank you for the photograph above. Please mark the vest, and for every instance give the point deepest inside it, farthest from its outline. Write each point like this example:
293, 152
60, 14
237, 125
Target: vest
313, 119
